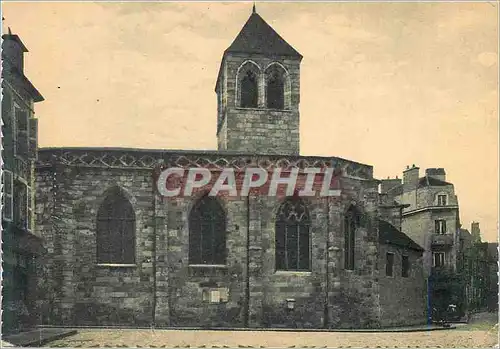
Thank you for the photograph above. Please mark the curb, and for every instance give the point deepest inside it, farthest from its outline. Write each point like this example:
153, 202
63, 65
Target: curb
239, 329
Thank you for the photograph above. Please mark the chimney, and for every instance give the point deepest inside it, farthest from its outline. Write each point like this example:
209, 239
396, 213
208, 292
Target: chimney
410, 178
388, 184
437, 173
475, 232
13, 50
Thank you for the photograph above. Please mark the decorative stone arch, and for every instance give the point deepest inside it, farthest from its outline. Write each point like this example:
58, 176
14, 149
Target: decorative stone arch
207, 228
116, 223
125, 192
248, 91
292, 234
276, 78
199, 195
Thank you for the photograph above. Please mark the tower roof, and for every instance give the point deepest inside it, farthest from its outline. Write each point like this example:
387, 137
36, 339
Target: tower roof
257, 36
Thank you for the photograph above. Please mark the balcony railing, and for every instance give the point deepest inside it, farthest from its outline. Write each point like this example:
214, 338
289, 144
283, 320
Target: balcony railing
442, 239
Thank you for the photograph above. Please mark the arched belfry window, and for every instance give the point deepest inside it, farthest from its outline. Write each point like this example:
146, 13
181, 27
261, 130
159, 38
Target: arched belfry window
351, 223
276, 87
207, 232
116, 229
249, 89
292, 236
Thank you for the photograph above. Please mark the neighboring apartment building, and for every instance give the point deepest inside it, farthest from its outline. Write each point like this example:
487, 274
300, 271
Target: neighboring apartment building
19, 150
430, 216
479, 265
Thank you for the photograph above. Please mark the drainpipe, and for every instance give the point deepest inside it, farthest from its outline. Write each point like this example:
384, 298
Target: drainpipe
153, 315
327, 279
247, 277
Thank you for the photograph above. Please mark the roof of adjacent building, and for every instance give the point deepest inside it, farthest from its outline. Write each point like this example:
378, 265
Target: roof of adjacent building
257, 36
30, 88
389, 234
435, 171
396, 190
423, 182
428, 181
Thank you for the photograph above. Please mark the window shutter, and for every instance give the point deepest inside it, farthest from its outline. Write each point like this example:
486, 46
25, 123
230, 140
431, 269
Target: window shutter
6, 107
444, 227
29, 209
436, 223
21, 204
7, 197
33, 138
21, 132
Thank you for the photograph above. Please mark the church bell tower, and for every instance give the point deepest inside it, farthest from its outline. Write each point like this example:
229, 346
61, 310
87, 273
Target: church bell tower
258, 92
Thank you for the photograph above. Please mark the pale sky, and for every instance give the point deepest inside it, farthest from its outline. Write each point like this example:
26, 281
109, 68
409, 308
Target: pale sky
386, 84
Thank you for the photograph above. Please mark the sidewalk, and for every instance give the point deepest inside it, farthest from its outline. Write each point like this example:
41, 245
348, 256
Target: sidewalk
275, 339
36, 337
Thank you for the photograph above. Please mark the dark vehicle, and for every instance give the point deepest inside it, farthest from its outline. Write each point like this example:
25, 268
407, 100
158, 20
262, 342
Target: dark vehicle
443, 316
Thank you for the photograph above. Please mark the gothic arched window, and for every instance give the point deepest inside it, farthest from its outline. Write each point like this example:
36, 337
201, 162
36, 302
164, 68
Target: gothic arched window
207, 232
249, 90
116, 229
292, 236
351, 223
275, 87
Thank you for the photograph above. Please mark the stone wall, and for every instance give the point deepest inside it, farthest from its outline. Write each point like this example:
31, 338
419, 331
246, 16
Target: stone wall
85, 293
164, 290
360, 285
420, 228
403, 300
262, 131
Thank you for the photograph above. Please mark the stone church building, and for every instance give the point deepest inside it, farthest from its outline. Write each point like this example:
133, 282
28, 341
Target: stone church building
117, 253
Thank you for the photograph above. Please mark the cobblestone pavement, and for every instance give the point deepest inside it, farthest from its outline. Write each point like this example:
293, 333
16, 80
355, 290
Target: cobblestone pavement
460, 337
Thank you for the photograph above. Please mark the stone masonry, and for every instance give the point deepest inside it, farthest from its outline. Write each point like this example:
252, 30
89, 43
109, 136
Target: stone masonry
163, 289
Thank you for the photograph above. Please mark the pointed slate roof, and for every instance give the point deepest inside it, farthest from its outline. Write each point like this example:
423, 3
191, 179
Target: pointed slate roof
257, 36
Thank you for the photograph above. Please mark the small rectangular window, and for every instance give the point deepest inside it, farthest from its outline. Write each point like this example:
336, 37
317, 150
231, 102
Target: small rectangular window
389, 264
438, 259
405, 264
442, 200
440, 226
8, 196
